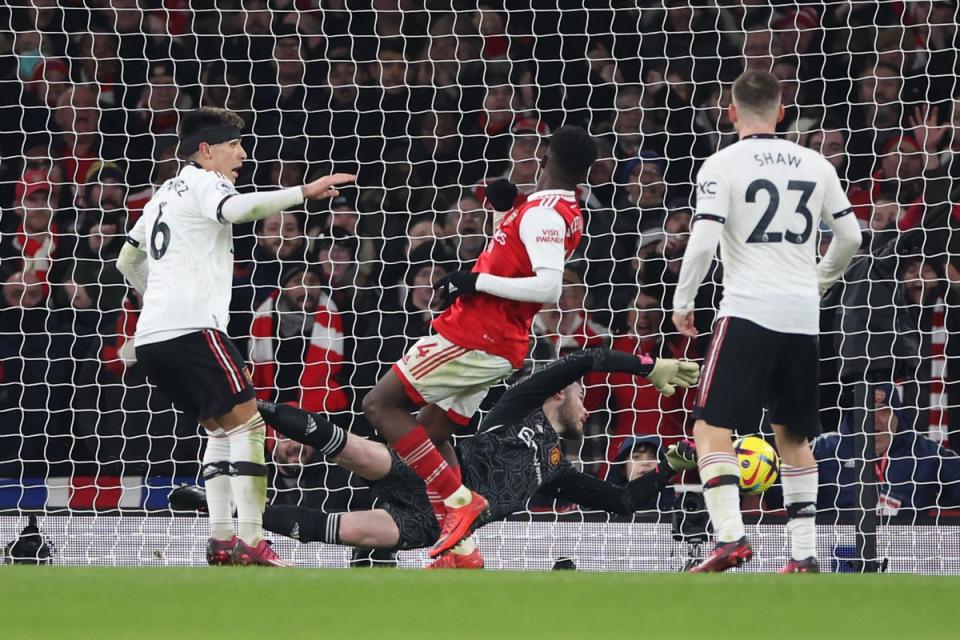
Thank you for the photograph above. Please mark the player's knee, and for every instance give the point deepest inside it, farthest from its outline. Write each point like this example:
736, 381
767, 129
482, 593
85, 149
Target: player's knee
372, 406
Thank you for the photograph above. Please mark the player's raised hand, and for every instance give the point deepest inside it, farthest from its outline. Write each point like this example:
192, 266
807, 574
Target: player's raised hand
683, 321
668, 374
326, 187
682, 455
456, 284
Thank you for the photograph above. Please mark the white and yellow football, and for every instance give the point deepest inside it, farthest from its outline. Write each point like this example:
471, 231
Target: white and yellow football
759, 464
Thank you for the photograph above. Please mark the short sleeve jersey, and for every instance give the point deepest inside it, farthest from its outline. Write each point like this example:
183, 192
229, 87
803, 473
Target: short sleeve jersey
770, 194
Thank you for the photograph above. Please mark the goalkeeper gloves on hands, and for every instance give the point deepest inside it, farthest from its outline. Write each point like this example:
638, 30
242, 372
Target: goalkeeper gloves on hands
456, 284
682, 456
668, 374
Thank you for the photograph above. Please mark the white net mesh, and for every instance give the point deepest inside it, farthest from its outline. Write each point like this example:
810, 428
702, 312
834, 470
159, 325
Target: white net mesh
427, 102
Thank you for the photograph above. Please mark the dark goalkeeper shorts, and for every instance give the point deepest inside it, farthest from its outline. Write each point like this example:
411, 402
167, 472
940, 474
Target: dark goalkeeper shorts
404, 496
201, 373
750, 368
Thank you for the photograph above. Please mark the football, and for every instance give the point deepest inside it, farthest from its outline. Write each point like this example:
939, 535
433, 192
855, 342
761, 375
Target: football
759, 464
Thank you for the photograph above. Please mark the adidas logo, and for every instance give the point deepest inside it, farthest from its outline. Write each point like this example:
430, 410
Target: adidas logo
311, 425
232, 470
295, 532
809, 510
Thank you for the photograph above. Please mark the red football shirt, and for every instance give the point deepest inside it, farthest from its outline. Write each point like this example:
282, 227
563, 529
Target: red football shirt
495, 325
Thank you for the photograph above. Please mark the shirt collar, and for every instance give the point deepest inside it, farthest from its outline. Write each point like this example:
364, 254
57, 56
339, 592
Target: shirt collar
762, 136
563, 193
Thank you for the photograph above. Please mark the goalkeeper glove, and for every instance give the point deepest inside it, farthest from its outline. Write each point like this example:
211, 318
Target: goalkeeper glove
682, 456
668, 374
456, 284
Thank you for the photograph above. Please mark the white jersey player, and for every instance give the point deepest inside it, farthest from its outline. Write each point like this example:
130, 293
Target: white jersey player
762, 200
179, 255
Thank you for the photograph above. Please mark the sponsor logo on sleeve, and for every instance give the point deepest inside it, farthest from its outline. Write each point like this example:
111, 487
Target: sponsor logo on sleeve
550, 236
706, 189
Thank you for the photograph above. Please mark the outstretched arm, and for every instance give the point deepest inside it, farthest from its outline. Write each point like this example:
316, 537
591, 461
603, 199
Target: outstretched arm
248, 207
530, 393
593, 493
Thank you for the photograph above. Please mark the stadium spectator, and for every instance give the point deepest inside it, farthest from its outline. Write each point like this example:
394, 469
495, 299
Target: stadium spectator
638, 409
567, 325
899, 176
874, 116
638, 455
437, 154
760, 49
526, 153
627, 133
296, 345
712, 127
404, 314
50, 80
79, 143
468, 226
641, 204
35, 244
279, 241
912, 472
831, 141
35, 370
159, 104
93, 281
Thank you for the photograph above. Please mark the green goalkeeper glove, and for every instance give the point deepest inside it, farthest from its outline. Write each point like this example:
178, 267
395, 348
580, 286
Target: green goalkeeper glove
668, 374
682, 456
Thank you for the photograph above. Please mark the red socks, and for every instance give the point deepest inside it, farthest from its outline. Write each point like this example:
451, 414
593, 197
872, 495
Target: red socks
418, 452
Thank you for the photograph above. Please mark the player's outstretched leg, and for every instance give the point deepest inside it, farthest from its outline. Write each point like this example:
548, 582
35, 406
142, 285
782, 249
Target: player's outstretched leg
387, 407
368, 459
375, 529
720, 473
798, 476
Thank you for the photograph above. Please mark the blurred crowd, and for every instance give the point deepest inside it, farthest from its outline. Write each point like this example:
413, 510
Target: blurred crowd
427, 102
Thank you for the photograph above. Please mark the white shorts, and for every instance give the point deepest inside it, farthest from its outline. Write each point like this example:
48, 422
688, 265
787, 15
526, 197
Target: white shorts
436, 371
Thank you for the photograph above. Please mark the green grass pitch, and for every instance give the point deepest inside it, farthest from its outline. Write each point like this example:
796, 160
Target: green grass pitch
47, 603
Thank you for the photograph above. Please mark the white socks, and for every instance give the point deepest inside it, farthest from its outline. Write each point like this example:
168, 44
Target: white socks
800, 499
459, 498
249, 478
216, 475
720, 474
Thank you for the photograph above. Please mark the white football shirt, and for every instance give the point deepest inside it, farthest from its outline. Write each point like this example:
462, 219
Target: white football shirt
189, 249
770, 195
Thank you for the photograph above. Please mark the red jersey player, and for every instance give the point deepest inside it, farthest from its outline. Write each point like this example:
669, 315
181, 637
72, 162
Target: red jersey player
483, 336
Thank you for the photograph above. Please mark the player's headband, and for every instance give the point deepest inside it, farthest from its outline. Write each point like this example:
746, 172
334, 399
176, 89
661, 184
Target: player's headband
216, 135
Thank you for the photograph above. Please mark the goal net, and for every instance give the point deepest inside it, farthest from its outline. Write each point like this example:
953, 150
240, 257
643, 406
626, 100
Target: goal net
428, 102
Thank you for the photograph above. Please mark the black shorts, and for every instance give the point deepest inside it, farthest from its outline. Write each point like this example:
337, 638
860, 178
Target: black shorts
750, 368
404, 496
201, 373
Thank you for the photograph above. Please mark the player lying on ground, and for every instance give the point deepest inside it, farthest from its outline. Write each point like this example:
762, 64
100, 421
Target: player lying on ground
515, 454
484, 335
762, 199
179, 255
